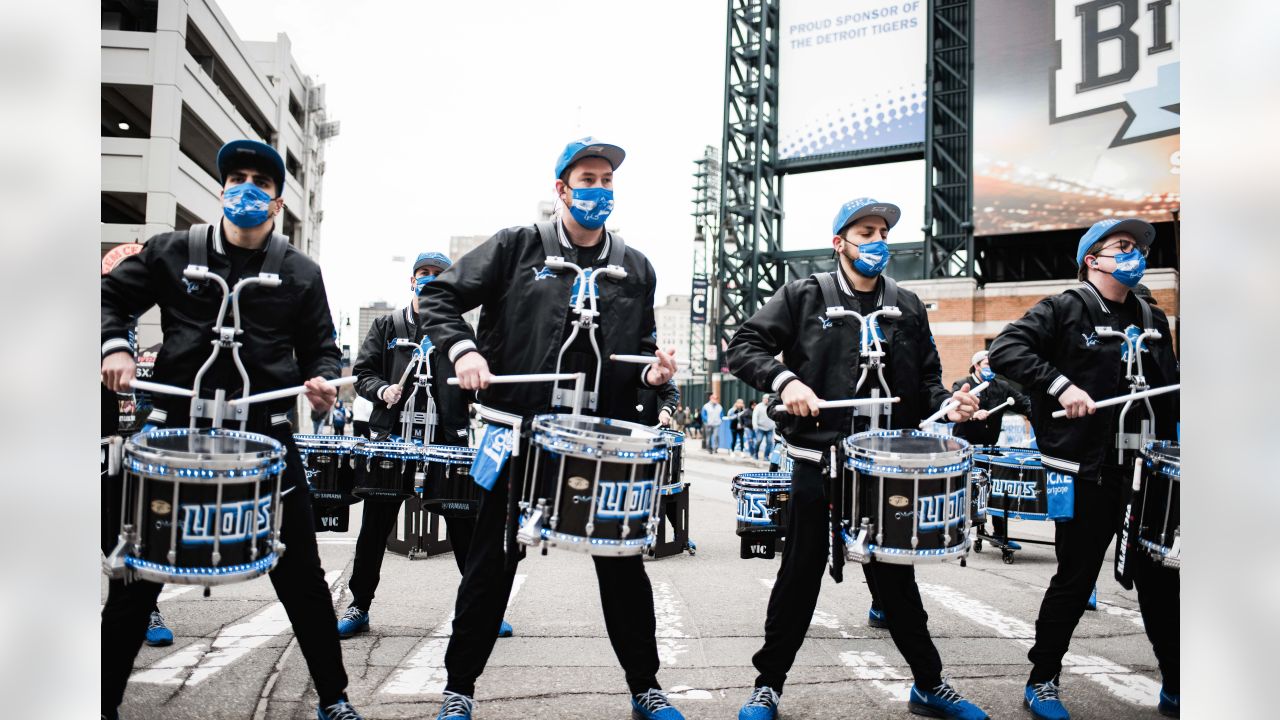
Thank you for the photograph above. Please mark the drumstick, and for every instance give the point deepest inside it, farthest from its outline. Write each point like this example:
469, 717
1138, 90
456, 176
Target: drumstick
160, 388
1126, 398
289, 392
950, 405
641, 359
855, 402
531, 378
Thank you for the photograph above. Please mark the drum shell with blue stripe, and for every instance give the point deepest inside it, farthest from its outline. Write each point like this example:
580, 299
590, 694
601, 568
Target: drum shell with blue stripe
674, 476
763, 499
1017, 482
328, 462
1159, 500
387, 471
448, 488
204, 505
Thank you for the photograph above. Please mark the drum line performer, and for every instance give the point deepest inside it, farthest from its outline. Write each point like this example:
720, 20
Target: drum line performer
984, 428
288, 337
521, 331
1058, 354
820, 359
379, 366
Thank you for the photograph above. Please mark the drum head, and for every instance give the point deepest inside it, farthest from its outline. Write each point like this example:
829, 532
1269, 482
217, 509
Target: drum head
890, 452
208, 450
592, 437
906, 442
324, 443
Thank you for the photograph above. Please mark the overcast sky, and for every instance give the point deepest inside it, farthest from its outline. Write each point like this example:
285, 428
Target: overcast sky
453, 115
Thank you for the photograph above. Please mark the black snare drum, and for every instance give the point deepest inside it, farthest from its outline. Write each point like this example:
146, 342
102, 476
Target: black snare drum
980, 490
1017, 482
910, 496
200, 506
674, 480
448, 488
387, 471
331, 474
1159, 531
762, 498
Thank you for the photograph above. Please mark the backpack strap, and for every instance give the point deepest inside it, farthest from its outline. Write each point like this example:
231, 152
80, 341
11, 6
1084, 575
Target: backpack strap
550, 243
617, 249
198, 245
276, 248
1093, 304
889, 298
830, 295
1145, 309
400, 324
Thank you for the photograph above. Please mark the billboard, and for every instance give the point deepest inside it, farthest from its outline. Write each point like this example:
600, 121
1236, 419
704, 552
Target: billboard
698, 301
1075, 113
850, 76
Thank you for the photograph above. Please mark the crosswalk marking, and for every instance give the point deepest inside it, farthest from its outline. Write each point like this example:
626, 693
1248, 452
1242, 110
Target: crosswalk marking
199, 661
424, 673
669, 631
1116, 679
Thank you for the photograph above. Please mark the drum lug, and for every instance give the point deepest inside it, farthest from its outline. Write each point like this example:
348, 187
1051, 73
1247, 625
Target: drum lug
856, 551
531, 531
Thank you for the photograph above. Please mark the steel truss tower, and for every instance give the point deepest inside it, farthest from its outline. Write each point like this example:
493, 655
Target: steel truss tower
706, 219
948, 220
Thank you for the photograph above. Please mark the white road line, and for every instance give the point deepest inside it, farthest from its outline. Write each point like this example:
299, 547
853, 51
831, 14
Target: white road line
1116, 679
669, 633
424, 673
1132, 616
865, 664
198, 662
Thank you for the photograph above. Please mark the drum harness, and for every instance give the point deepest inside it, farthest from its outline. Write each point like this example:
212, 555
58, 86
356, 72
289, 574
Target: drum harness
420, 366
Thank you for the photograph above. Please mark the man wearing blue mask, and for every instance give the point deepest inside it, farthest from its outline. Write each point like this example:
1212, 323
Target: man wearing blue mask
819, 360
288, 338
379, 367
525, 323
1057, 353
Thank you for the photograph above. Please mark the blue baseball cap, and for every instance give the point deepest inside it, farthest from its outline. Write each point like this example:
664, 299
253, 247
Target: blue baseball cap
1142, 231
239, 154
432, 259
862, 207
585, 148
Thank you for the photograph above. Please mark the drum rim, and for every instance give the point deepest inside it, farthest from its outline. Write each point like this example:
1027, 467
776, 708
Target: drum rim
133, 451
387, 448
445, 453
1152, 452
329, 442
875, 462
647, 448
984, 452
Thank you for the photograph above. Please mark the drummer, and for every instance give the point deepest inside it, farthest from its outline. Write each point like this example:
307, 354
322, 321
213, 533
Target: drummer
379, 366
983, 430
521, 332
288, 337
820, 360
1055, 352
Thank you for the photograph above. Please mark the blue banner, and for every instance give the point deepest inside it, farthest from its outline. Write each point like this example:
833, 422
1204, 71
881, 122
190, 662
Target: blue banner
1060, 489
492, 454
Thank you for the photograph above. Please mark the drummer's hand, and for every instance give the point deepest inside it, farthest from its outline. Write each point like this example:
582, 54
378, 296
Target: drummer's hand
664, 418
118, 370
1076, 402
391, 395
799, 399
967, 407
663, 370
320, 393
981, 415
472, 371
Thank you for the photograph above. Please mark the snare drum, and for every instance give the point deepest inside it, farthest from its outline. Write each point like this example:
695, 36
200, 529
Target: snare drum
1159, 531
910, 496
200, 507
979, 491
763, 498
592, 484
327, 460
449, 489
1017, 482
387, 471
673, 481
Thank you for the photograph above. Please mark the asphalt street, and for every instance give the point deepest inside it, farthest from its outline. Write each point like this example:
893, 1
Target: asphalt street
235, 655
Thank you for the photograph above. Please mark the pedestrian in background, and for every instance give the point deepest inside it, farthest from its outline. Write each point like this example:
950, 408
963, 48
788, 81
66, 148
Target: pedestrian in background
764, 427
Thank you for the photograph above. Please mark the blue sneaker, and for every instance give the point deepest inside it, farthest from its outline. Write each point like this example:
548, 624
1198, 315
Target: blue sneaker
158, 634
505, 629
353, 621
876, 618
943, 702
1168, 706
1044, 702
456, 707
652, 705
1012, 545
1093, 599
340, 710
763, 705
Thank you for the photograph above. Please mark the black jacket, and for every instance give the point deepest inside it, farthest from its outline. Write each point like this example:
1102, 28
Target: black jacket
288, 332
1053, 347
524, 308
987, 432
380, 364
654, 400
823, 354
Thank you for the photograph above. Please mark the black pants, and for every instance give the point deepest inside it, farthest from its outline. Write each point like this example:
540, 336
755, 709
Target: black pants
1081, 546
625, 594
795, 592
379, 518
360, 428
299, 583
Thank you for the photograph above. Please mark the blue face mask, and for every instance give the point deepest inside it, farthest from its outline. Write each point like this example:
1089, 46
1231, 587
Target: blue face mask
872, 258
1130, 267
986, 374
421, 282
245, 205
591, 206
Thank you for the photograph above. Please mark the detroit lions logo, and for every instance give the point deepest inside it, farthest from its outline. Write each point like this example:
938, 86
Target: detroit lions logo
1090, 340
192, 286
543, 273
1133, 331
826, 322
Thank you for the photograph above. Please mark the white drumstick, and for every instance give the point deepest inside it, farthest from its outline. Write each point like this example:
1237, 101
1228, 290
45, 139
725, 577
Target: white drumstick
531, 378
160, 388
950, 405
1126, 398
855, 402
289, 392
641, 359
